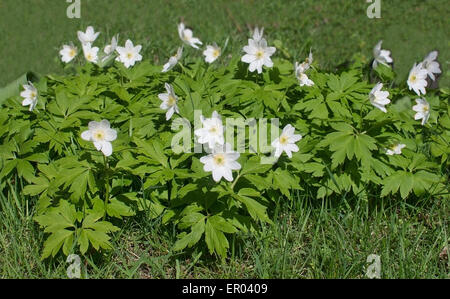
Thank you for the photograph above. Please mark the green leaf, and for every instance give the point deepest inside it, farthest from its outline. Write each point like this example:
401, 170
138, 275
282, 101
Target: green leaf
116, 208
364, 144
61, 217
249, 192
256, 210
316, 169
406, 184
216, 240
40, 185
259, 182
320, 111
253, 166
8, 167
95, 232
221, 224
54, 242
98, 239
193, 237
38, 157
152, 149
285, 181
391, 183
384, 72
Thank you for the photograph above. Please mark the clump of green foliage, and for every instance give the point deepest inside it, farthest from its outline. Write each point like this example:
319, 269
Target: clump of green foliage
82, 196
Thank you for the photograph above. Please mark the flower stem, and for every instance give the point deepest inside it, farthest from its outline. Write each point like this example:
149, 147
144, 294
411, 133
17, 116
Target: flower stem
235, 181
105, 160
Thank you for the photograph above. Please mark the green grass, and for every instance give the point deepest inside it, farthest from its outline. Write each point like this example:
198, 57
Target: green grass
31, 32
310, 239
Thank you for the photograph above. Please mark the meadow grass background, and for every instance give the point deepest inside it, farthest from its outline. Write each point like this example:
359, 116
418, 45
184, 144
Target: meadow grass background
33, 31
310, 239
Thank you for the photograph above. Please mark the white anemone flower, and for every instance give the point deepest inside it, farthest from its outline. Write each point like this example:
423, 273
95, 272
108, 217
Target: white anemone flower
258, 55
221, 162
211, 53
129, 54
304, 80
68, 53
300, 70
306, 65
101, 135
29, 95
109, 49
89, 36
286, 142
169, 103
187, 37
212, 131
90, 53
381, 56
395, 149
430, 65
423, 110
379, 98
417, 79
173, 60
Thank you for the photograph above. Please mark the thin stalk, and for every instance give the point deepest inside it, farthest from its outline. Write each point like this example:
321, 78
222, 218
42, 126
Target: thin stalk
235, 181
105, 160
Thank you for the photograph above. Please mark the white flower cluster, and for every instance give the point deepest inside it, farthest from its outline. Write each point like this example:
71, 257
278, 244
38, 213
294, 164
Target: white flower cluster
211, 53
417, 78
417, 82
257, 52
300, 71
222, 160
127, 55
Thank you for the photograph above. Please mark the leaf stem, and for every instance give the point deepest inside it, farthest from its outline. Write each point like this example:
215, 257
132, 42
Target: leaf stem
235, 181
105, 160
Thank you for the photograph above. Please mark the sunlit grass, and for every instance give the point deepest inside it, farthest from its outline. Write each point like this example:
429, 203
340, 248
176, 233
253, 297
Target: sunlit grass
310, 239
334, 29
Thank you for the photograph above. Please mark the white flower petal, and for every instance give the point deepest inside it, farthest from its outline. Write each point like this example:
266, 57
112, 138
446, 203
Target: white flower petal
87, 135
110, 135
107, 148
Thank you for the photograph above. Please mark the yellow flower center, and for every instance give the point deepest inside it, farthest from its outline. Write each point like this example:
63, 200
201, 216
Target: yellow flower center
284, 139
89, 57
413, 78
213, 130
33, 94
72, 53
219, 159
171, 100
425, 108
129, 55
260, 54
216, 53
99, 135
